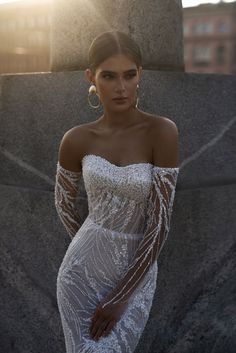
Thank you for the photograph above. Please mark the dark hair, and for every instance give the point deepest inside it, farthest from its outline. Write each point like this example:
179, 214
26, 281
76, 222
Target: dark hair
111, 43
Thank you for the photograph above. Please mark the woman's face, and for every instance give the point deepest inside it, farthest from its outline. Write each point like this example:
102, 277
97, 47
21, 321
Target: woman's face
115, 77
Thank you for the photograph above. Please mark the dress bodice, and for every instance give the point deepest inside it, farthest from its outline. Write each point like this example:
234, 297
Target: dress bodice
117, 196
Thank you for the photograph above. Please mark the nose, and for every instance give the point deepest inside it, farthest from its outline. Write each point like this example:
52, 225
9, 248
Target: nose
120, 85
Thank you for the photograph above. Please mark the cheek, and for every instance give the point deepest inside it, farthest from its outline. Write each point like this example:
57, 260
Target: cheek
104, 89
131, 89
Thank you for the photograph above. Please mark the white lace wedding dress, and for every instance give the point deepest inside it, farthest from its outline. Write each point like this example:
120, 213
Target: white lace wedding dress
113, 253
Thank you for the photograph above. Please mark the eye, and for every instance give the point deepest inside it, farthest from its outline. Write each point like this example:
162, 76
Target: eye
131, 75
107, 75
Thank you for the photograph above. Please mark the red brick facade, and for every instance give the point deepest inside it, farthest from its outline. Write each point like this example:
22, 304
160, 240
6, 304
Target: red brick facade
210, 38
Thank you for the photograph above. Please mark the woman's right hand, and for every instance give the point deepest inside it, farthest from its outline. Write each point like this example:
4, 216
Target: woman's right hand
104, 319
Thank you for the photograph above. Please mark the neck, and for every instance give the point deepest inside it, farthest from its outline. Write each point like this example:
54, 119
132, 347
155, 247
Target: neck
119, 120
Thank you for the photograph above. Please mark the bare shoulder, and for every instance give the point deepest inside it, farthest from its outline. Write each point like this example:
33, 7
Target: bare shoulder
72, 147
164, 137
163, 126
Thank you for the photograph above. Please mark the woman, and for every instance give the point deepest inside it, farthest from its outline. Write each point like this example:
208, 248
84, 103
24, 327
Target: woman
128, 158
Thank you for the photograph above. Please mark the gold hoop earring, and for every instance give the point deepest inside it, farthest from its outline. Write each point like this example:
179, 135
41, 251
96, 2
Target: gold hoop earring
137, 98
93, 90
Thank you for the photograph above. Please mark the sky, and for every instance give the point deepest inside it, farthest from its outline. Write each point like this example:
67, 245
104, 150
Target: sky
186, 3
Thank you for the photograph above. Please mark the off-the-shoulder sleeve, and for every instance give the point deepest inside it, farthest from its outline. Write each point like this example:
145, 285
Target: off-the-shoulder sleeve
66, 189
159, 210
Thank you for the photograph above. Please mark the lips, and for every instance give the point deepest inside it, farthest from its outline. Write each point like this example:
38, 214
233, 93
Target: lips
119, 98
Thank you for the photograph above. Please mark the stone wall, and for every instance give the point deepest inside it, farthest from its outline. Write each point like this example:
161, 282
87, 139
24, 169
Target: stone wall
156, 25
194, 308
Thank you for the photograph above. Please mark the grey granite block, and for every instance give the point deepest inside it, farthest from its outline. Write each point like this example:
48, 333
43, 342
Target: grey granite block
156, 25
194, 307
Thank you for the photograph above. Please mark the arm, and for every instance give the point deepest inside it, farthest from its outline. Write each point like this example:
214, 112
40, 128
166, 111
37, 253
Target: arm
68, 174
158, 224
66, 189
159, 210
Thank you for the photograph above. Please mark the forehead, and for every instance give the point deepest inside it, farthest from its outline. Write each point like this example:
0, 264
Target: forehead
117, 63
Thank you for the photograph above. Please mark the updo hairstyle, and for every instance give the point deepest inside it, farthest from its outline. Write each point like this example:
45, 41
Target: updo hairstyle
111, 43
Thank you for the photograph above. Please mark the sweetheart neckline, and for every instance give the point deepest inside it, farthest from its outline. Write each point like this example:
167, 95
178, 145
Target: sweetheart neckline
125, 166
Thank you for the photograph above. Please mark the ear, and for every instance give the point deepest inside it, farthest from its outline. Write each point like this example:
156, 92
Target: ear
88, 75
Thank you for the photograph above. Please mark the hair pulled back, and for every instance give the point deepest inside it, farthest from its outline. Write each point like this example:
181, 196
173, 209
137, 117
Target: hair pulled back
111, 43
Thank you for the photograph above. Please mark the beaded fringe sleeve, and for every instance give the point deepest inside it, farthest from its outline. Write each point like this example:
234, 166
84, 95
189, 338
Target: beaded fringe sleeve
159, 210
66, 189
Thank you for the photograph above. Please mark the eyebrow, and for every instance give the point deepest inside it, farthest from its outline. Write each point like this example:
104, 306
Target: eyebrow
112, 72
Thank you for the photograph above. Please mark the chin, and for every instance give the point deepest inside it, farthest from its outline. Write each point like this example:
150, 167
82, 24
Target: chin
122, 106
116, 109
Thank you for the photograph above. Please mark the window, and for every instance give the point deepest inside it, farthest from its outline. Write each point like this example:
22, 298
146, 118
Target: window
220, 55
201, 55
202, 28
3, 26
41, 20
222, 27
21, 22
49, 20
12, 25
31, 22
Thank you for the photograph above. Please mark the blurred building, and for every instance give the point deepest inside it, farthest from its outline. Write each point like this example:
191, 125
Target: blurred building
210, 38
25, 28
